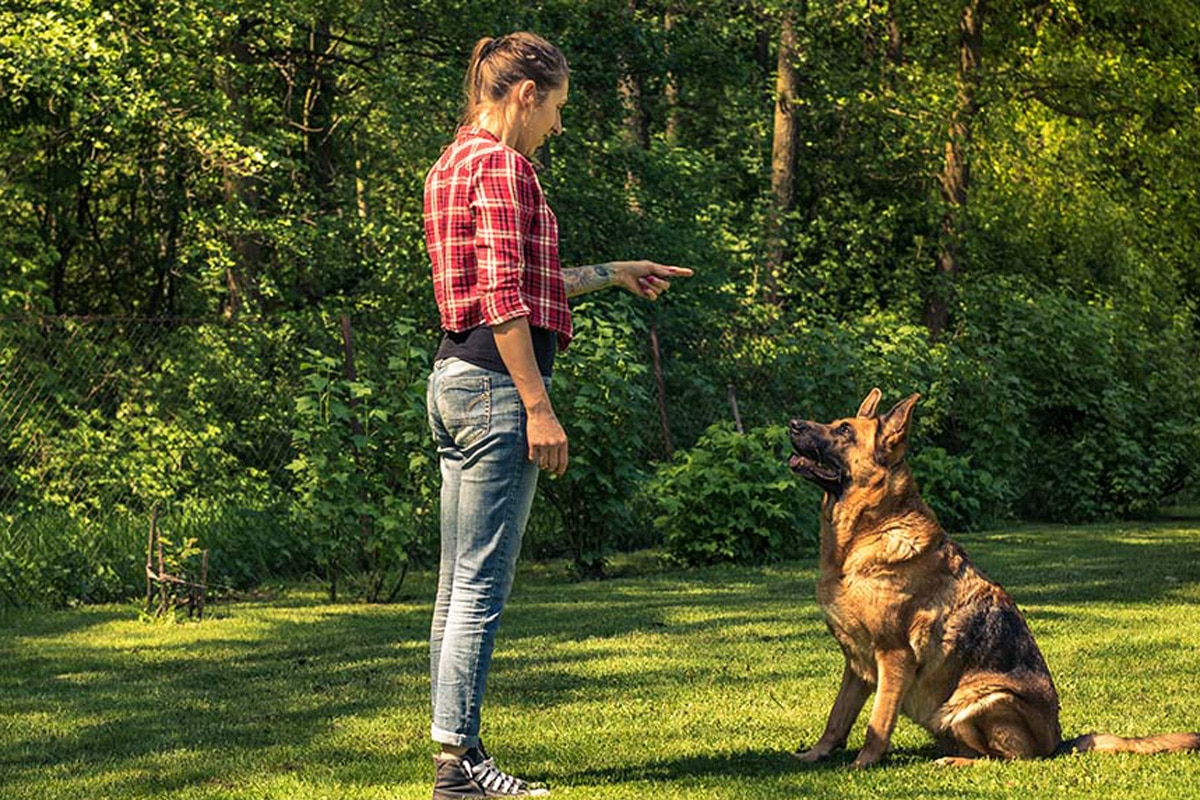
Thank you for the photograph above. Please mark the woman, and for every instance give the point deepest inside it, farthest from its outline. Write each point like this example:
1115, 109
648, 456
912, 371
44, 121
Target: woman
493, 244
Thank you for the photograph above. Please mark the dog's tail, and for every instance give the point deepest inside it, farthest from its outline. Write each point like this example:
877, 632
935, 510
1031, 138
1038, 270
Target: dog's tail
1107, 743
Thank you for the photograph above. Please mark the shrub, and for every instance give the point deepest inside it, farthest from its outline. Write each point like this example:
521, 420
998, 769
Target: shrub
1084, 405
366, 485
57, 559
601, 395
731, 497
963, 496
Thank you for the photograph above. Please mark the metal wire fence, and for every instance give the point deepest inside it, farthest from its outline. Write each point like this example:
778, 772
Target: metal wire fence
108, 423
103, 419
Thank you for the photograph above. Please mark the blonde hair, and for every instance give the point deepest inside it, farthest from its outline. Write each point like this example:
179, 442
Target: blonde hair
498, 64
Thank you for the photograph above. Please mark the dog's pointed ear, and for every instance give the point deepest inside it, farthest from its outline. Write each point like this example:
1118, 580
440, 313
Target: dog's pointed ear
867, 409
893, 431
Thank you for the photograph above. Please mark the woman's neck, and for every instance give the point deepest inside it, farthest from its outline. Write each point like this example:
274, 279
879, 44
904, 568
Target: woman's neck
505, 123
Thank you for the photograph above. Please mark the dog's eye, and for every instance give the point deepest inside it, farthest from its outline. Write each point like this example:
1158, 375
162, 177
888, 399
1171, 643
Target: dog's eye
845, 429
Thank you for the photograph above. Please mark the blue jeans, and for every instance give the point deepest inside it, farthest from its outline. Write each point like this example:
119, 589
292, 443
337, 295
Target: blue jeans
488, 483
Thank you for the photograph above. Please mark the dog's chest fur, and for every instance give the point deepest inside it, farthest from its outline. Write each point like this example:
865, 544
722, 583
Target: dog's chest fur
886, 594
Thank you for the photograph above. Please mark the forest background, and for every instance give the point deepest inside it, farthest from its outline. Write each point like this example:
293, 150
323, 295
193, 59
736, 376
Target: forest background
215, 297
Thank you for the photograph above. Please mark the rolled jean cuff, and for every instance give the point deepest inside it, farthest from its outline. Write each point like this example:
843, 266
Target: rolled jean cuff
442, 736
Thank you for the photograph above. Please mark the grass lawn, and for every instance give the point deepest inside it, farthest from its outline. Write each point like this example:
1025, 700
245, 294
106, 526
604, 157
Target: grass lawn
652, 684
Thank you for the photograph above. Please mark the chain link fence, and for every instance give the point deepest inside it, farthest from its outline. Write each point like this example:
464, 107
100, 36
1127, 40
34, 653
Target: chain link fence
104, 419
285, 447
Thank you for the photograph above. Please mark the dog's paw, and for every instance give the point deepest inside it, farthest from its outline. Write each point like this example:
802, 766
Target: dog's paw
811, 756
865, 760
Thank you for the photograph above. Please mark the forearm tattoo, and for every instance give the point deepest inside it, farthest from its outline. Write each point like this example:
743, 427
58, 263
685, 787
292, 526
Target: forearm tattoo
580, 280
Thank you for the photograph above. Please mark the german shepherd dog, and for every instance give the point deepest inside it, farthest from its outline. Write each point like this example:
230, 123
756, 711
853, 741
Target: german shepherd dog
917, 622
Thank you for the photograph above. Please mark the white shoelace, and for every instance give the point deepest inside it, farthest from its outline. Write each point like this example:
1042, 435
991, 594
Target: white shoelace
494, 779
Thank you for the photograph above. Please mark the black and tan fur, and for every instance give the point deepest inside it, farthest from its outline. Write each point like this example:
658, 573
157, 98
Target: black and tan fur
919, 625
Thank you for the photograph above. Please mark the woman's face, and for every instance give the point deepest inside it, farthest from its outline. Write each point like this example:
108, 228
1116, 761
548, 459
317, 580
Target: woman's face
544, 119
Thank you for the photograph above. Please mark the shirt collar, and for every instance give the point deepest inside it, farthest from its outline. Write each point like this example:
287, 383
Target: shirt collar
471, 130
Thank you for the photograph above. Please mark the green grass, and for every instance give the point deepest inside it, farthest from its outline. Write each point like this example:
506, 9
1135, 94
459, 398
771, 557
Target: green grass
654, 684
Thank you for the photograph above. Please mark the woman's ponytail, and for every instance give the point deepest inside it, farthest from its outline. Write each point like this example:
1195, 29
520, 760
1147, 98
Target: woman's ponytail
497, 64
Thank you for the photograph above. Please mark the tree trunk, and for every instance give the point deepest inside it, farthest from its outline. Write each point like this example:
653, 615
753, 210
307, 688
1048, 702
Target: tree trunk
241, 194
956, 173
168, 179
636, 122
637, 137
894, 52
892, 43
318, 116
783, 154
671, 86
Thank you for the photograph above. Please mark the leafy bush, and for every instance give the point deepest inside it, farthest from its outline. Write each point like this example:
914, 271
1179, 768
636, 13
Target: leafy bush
56, 559
249, 539
114, 417
960, 494
600, 393
1084, 405
731, 497
366, 485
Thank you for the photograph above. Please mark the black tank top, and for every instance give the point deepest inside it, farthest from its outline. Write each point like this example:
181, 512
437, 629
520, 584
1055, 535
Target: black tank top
478, 346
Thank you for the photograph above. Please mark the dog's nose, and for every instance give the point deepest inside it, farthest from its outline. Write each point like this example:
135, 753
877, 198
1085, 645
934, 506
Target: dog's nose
796, 425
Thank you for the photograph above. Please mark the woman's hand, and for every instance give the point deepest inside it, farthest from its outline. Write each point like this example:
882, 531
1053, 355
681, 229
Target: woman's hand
545, 437
547, 440
646, 279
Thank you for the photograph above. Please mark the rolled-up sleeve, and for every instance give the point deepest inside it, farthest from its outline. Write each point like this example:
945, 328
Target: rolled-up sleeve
502, 207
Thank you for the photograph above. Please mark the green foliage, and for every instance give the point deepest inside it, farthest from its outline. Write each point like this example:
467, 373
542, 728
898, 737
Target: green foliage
249, 543
1087, 406
231, 162
56, 559
963, 496
601, 394
365, 484
107, 419
731, 497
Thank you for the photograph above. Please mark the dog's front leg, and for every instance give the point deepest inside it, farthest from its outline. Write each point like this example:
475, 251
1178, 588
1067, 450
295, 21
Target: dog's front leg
895, 669
850, 699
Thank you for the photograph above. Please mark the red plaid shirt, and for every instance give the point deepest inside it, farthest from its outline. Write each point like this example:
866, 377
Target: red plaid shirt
492, 239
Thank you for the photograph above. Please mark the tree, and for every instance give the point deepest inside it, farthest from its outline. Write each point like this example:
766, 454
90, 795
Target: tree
955, 177
783, 149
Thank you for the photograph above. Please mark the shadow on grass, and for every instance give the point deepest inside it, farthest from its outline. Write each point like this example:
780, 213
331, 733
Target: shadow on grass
108, 707
98, 693
103, 695
1118, 563
765, 766
20, 622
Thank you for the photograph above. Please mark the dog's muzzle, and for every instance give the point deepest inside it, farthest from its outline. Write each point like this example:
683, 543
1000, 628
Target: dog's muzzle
809, 459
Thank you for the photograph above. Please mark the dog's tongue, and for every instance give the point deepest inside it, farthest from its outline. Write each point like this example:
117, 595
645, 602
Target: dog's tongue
795, 460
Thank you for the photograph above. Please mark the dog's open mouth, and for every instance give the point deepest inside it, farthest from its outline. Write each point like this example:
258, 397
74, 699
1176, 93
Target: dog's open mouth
807, 467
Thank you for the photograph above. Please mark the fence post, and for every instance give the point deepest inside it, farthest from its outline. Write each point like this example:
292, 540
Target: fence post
737, 415
662, 391
151, 540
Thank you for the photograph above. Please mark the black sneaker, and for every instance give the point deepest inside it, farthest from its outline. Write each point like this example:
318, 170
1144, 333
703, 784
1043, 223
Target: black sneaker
473, 774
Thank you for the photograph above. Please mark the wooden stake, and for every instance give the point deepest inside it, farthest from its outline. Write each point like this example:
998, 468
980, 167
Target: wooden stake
737, 416
203, 582
153, 537
669, 450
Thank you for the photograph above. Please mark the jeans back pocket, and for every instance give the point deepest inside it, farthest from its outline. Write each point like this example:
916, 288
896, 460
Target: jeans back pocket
465, 406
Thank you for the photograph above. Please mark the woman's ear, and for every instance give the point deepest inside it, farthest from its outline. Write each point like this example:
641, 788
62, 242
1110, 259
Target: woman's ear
527, 93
